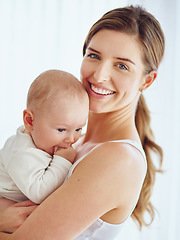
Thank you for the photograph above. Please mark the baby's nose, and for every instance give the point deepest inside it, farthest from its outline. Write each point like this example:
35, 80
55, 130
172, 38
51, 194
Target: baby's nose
70, 139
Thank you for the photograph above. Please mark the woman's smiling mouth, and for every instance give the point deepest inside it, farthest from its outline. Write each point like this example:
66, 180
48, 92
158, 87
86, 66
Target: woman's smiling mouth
100, 91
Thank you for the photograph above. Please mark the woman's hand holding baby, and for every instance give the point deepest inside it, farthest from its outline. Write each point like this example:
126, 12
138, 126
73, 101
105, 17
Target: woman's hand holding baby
12, 217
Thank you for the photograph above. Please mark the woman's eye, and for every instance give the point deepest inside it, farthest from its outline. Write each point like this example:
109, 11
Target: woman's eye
93, 55
122, 66
61, 129
78, 129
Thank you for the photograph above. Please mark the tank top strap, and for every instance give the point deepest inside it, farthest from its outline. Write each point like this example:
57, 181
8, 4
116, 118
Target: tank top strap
128, 141
134, 144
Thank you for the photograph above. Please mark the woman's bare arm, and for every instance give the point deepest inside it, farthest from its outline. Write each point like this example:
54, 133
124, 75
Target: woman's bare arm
100, 183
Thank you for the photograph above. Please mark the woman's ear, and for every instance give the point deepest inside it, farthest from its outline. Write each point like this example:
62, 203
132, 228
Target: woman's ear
149, 79
28, 119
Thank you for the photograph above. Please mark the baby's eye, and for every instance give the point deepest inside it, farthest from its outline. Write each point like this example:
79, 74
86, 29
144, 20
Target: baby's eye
61, 129
122, 66
93, 55
78, 129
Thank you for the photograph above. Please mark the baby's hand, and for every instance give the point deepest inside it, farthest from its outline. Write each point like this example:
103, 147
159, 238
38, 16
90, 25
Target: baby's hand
67, 153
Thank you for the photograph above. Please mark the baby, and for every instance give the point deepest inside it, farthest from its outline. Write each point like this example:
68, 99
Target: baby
35, 161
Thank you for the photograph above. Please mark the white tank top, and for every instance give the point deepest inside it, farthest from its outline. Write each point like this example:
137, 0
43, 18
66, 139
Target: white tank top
101, 230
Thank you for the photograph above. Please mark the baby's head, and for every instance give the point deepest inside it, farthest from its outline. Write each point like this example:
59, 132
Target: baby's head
57, 109
52, 84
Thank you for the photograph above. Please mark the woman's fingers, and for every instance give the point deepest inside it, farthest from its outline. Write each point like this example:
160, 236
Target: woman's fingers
14, 216
29, 210
25, 204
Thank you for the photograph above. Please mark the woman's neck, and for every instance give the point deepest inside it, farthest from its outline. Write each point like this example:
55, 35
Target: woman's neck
110, 126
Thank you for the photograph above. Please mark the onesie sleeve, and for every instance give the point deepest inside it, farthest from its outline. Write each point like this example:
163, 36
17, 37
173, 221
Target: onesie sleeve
37, 174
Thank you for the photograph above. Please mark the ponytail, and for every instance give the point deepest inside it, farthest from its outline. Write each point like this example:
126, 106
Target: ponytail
136, 21
142, 121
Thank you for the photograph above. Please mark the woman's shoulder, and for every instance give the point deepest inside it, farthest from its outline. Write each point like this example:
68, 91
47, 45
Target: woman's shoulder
115, 167
124, 151
113, 156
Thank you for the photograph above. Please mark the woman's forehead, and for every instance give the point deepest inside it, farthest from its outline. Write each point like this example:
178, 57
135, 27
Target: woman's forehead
117, 44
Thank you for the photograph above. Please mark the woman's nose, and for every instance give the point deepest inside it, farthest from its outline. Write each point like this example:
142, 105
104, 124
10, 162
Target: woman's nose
102, 72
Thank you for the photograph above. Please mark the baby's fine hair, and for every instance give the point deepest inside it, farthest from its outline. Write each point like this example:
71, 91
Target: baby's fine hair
54, 83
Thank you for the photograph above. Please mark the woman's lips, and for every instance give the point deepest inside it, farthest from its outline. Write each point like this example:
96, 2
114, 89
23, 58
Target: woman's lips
100, 91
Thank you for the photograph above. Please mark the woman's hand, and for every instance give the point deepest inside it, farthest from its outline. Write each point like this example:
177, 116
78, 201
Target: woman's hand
11, 218
5, 203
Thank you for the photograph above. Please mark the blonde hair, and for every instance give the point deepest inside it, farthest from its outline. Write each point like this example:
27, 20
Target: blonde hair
136, 21
52, 83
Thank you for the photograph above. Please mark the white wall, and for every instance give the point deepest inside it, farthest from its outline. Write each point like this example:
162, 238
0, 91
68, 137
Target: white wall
38, 35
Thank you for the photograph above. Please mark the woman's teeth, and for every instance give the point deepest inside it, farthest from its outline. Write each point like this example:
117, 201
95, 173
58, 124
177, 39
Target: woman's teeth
100, 90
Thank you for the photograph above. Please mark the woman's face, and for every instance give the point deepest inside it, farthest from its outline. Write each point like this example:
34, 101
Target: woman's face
112, 71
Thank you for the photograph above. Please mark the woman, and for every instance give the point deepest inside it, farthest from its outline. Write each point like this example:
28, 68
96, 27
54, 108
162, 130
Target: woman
112, 178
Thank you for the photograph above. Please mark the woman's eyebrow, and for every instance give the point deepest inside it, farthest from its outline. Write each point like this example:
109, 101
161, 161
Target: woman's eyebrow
119, 58
125, 59
90, 48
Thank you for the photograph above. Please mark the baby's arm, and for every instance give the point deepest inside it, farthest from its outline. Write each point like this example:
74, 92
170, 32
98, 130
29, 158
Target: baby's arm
37, 174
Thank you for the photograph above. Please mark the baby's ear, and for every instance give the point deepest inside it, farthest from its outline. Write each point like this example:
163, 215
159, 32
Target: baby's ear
28, 119
149, 79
